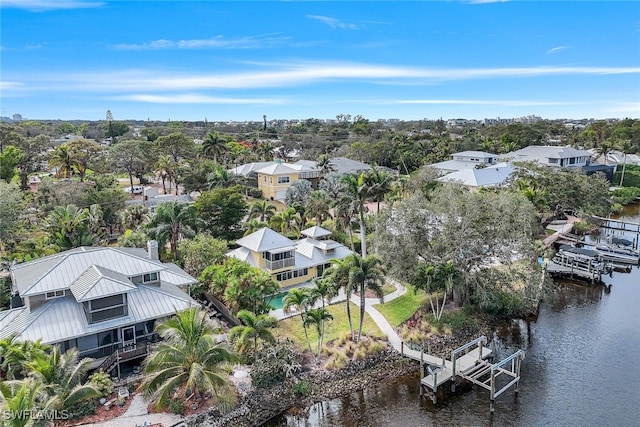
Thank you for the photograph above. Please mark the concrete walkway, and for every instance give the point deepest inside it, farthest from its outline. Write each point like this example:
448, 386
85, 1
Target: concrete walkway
136, 416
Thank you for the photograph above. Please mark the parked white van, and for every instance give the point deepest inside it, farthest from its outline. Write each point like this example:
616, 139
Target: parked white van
136, 189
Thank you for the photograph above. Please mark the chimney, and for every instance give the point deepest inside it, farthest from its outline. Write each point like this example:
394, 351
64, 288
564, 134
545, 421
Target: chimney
152, 248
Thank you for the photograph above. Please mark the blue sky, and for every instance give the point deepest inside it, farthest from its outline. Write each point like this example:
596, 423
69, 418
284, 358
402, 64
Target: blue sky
224, 60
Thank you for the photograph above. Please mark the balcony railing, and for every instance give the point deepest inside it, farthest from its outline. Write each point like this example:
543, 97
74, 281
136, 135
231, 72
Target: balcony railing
277, 265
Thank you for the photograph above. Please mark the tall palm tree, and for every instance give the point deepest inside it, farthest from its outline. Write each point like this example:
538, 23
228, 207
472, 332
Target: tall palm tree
366, 273
338, 274
318, 317
379, 183
346, 210
262, 209
324, 290
173, 220
64, 159
358, 188
604, 150
626, 147
166, 167
299, 298
283, 220
214, 145
62, 377
188, 356
254, 328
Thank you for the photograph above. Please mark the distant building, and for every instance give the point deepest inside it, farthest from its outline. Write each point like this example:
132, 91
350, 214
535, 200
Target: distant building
17, 117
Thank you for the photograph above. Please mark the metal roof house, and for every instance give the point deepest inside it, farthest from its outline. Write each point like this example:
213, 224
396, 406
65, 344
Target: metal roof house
490, 176
291, 262
465, 160
550, 155
101, 300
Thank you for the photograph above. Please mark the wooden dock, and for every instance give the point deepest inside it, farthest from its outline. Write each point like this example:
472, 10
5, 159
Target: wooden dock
617, 224
468, 362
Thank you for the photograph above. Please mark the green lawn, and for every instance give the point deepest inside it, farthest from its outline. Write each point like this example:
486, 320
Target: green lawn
403, 307
292, 327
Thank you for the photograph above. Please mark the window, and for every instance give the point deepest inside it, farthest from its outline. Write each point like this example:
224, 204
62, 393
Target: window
265, 178
151, 277
553, 160
572, 161
54, 294
283, 179
106, 308
287, 275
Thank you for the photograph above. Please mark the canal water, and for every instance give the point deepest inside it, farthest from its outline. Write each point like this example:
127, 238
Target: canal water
582, 368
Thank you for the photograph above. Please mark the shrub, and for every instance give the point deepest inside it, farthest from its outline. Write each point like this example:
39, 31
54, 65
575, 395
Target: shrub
582, 227
80, 409
302, 388
275, 363
102, 381
336, 361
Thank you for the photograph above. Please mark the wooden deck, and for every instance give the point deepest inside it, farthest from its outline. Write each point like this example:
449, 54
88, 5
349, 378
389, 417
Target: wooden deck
468, 362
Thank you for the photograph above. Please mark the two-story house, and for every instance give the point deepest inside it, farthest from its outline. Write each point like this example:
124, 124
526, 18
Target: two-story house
291, 262
100, 300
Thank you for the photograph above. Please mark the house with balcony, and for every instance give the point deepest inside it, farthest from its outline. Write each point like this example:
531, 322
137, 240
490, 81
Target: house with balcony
293, 263
104, 301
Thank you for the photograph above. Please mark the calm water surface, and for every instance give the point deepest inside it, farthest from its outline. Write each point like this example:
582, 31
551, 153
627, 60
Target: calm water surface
582, 368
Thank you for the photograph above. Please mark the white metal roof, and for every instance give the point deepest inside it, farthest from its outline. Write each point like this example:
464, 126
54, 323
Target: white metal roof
264, 240
61, 319
485, 177
315, 232
99, 282
58, 272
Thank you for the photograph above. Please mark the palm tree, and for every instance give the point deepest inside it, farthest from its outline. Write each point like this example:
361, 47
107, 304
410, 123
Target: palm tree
283, 220
134, 217
379, 183
338, 274
173, 220
62, 377
255, 328
19, 398
358, 189
253, 225
63, 158
188, 356
324, 164
317, 205
15, 354
626, 147
214, 145
346, 212
604, 150
68, 227
262, 209
324, 290
166, 167
366, 273
299, 298
318, 317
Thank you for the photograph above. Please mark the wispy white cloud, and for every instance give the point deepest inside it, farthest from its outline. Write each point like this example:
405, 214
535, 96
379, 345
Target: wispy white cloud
503, 103
218, 42
295, 74
43, 5
196, 99
556, 49
333, 22
631, 108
